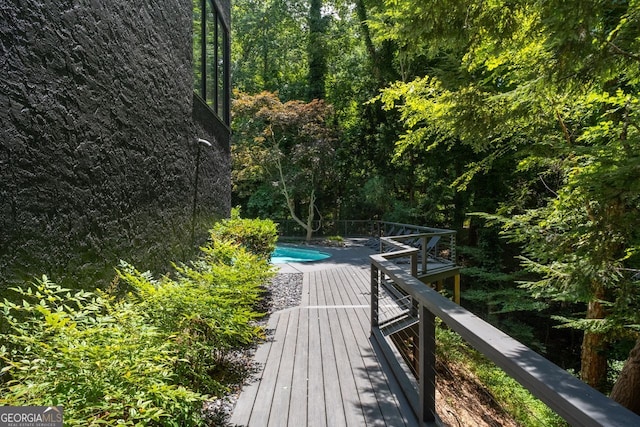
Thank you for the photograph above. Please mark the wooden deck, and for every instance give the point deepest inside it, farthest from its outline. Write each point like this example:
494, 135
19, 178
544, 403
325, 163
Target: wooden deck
319, 366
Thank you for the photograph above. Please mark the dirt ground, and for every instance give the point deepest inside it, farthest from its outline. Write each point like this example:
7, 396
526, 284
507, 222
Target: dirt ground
463, 402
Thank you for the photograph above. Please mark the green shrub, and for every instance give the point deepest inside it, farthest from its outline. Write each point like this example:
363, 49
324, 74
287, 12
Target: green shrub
258, 236
97, 357
208, 308
148, 357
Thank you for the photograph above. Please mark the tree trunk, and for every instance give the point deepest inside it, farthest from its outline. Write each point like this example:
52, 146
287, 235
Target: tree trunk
310, 218
593, 370
316, 51
626, 390
381, 58
308, 226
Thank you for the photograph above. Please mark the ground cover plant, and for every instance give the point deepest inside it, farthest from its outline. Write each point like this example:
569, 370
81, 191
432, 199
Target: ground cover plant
455, 355
145, 352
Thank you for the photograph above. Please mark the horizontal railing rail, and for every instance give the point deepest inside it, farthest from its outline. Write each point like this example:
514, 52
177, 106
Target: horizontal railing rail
569, 397
364, 228
344, 228
389, 228
434, 251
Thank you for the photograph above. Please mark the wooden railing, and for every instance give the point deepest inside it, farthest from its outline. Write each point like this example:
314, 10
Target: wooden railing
573, 400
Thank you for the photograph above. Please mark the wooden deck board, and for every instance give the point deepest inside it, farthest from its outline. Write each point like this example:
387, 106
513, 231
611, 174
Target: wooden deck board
267, 386
352, 330
392, 404
315, 397
346, 363
300, 380
333, 397
320, 367
244, 407
279, 411
305, 290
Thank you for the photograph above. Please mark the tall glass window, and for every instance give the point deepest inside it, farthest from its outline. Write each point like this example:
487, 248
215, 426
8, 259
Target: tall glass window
211, 57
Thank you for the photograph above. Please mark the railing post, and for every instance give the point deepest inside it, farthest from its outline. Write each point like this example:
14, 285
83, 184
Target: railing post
414, 272
452, 248
414, 264
427, 365
375, 287
424, 254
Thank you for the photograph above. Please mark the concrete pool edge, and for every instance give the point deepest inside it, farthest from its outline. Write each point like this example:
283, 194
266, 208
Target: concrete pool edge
288, 253
355, 252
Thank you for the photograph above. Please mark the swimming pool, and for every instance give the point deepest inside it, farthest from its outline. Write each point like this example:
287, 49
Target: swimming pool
285, 254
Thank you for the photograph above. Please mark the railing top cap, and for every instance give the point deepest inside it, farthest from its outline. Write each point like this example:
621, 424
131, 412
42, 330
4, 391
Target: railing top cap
418, 227
574, 400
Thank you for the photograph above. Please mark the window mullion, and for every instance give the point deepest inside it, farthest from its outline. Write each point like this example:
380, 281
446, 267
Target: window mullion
203, 48
216, 59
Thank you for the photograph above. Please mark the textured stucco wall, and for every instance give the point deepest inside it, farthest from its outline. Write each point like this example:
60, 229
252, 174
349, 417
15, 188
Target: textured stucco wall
97, 140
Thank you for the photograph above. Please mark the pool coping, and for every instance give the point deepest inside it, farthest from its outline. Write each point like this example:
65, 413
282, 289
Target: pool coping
355, 252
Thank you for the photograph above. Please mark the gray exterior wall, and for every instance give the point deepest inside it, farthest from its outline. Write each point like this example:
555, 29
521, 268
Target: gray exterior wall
98, 139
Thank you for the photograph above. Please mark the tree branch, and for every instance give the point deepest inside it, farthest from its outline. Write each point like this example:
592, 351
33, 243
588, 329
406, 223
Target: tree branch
565, 131
619, 51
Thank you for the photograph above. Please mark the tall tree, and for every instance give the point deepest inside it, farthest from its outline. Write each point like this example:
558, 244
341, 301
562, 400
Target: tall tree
317, 52
381, 56
269, 46
626, 390
290, 145
555, 85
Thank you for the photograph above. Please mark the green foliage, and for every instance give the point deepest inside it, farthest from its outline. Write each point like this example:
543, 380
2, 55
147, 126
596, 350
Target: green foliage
375, 193
489, 277
289, 145
511, 309
316, 51
97, 357
550, 90
150, 358
269, 53
268, 46
512, 397
208, 309
506, 300
494, 294
256, 236
264, 202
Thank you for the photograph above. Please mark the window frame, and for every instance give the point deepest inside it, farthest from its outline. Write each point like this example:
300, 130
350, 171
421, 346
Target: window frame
220, 69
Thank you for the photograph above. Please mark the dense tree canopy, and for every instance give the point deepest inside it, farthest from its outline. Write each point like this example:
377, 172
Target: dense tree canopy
269, 46
524, 114
557, 85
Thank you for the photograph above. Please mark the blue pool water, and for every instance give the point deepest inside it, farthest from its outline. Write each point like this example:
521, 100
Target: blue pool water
285, 254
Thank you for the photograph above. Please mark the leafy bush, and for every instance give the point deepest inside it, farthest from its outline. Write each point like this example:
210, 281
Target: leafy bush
258, 236
149, 357
97, 357
208, 308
